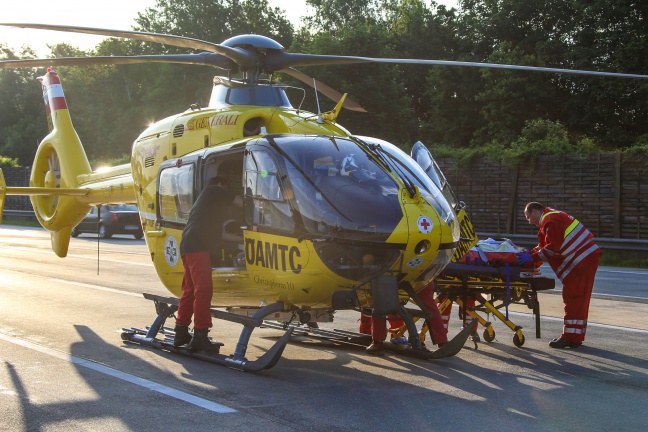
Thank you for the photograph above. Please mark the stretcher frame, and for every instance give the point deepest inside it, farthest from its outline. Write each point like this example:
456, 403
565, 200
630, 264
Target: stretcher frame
493, 289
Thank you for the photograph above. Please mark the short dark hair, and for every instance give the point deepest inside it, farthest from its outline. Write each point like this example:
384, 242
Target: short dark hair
534, 206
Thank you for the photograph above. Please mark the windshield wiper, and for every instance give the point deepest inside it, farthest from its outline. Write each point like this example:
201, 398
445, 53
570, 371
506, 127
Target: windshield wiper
391, 163
308, 179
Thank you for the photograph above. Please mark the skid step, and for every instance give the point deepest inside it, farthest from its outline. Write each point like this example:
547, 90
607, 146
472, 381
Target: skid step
161, 338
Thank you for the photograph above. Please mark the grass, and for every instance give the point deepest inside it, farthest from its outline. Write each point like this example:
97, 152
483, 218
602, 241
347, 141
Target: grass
27, 223
632, 259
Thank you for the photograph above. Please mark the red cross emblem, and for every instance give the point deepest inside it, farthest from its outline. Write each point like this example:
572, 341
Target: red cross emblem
424, 224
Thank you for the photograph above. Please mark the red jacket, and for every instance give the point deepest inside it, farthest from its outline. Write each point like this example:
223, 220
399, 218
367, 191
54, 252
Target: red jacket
563, 242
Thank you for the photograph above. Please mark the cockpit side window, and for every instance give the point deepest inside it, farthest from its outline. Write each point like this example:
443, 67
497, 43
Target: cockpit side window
175, 193
268, 206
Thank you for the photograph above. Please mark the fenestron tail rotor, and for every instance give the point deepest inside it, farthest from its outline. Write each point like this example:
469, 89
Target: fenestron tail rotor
53, 177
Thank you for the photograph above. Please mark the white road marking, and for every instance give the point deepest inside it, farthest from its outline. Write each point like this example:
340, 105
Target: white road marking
79, 284
644, 273
168, 391
94, 287
94, 258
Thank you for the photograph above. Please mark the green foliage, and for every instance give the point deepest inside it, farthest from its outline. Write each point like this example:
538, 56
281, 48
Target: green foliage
639, 153
539, 137
507, 114
98, 163
624, 259
7, 162
544, 137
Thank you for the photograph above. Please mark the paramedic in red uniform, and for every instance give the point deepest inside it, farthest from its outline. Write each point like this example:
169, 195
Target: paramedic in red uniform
199, 248
570, 250
377, 326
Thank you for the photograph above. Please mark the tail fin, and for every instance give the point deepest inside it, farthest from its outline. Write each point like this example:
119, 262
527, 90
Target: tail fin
63, 187
59, 160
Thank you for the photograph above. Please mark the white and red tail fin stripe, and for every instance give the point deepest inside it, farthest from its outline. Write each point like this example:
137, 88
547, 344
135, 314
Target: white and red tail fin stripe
52, 92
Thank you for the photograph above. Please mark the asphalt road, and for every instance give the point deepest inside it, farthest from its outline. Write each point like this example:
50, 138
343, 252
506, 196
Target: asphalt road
64, 367
614, 283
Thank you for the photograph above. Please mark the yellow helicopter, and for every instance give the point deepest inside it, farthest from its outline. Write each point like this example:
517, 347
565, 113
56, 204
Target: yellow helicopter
331, 221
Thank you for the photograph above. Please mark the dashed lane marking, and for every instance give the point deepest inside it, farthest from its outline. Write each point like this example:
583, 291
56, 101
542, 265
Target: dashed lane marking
159, 388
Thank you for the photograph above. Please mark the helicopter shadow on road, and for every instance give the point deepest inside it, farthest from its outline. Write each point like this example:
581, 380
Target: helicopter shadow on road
519, 383
114, 400
323, 385
400, 392
614, 368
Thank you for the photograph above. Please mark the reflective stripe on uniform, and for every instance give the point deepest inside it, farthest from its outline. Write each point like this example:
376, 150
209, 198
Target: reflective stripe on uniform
563, 273
580, 241
571, 227
547, 214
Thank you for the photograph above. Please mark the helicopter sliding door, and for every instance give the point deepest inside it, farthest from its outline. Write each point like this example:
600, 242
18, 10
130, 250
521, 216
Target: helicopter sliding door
181, 181
175, 193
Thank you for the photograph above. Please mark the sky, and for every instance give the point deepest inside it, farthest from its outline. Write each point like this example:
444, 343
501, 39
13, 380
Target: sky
112, 14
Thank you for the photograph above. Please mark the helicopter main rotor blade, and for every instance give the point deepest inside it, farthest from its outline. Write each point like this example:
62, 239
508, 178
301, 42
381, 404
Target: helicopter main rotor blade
281, 60
204, 59
241, 57
327, 91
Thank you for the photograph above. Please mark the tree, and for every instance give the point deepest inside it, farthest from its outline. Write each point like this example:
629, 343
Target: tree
579, 34
22, 117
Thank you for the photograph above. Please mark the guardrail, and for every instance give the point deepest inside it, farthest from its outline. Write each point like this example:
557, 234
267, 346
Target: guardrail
529, 240
19, 214
526, 240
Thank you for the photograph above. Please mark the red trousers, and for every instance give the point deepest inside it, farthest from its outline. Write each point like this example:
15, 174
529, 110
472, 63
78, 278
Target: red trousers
445, 316
577, 291
197, 291
377, 326
435, 324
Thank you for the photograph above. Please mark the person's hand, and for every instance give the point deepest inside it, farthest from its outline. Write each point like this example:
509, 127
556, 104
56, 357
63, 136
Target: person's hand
523, 258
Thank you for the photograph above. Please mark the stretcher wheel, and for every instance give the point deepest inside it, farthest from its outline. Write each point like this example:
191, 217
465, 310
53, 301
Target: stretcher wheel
488, 337
518, 341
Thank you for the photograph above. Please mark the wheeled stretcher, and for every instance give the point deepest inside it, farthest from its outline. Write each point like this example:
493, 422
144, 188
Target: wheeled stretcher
493, 289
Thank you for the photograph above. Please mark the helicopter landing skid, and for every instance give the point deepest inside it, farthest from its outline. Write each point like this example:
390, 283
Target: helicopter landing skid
342, 336
167, 306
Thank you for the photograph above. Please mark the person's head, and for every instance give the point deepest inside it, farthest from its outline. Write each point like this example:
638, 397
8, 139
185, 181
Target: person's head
217, 181
533, 212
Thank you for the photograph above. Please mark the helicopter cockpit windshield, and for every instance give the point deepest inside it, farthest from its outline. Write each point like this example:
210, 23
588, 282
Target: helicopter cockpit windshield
331, 184
412, 172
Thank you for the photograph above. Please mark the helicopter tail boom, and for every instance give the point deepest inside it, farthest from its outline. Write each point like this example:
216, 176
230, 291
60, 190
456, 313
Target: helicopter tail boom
62, 184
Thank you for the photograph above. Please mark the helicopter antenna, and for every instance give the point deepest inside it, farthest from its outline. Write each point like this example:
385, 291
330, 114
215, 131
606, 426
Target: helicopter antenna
302, 100
319, 111
98, 242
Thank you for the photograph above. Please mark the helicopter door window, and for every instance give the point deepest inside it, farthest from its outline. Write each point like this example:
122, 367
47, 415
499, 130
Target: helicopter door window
424, 158
176, 193
268, 205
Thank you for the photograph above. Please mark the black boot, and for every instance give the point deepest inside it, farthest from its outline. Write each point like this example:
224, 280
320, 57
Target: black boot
182, 336
200, 341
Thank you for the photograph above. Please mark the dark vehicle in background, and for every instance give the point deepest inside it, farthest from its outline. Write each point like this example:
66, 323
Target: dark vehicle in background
115, 219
